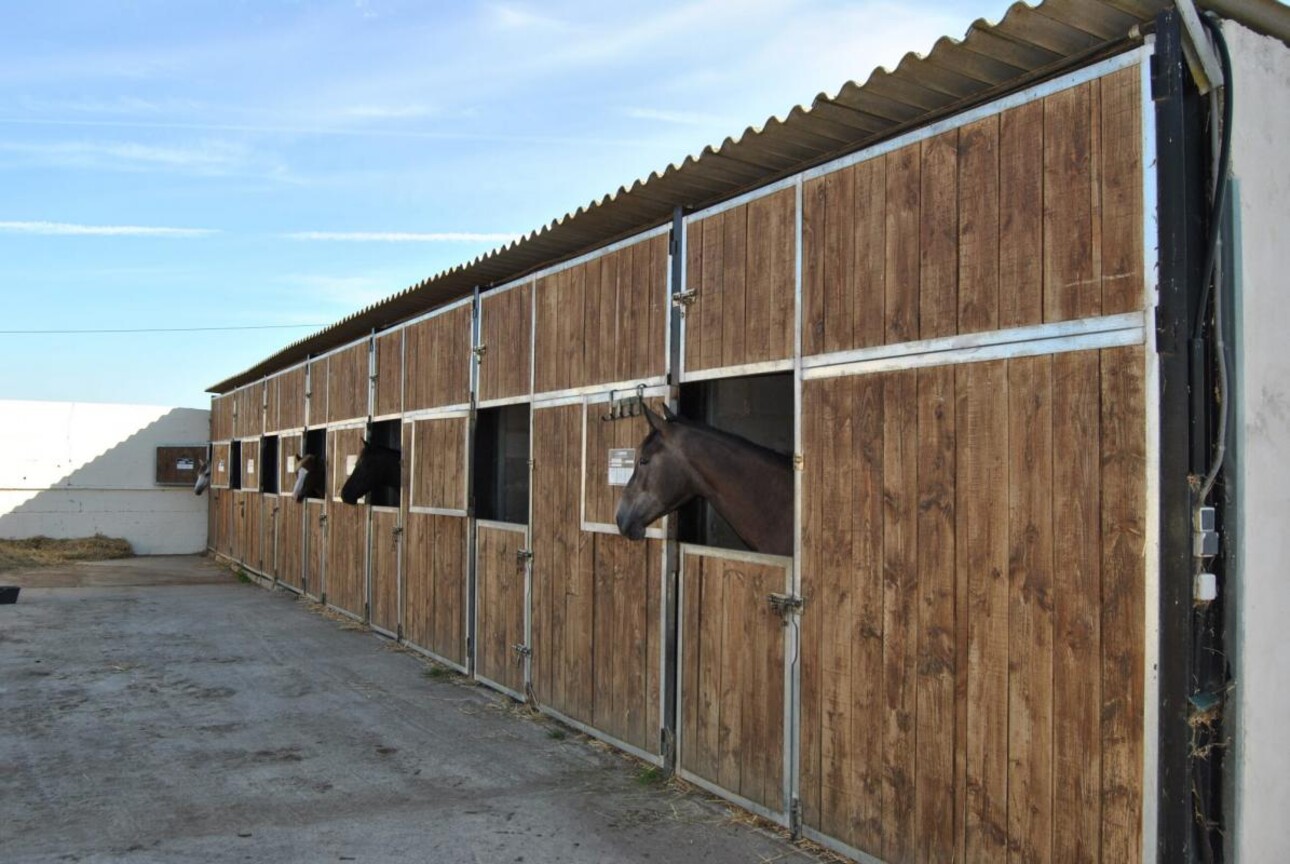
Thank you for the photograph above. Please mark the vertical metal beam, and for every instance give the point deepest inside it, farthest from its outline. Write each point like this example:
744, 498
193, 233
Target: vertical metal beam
472, 357
1181, 173
670, 678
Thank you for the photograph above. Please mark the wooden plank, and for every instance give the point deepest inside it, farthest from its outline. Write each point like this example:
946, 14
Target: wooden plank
759, 284
782, 286
1021, 215
902, 243
1121, 192
835, 608
711, 320
1123, 468
771, 634
1072, 287
982, 530
653, 720
385, 573
817, 230
691, 651
709, 695
735, 332
937, 638
736, 672
389, 373
900, 588
867, 580
938, 237
868, 310
1077, 695
638, 365
1030, 697
659, 304
593, 343
978, 206
839, 257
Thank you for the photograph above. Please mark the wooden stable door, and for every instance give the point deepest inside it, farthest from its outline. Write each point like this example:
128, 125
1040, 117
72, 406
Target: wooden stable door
500, 576
346, 527
435, 558
387, 536
733, 676
972, 643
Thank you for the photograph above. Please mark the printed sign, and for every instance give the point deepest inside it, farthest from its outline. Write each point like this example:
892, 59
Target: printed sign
185, 465
621, 464
250, 466
291, 464
350, 461
220, 467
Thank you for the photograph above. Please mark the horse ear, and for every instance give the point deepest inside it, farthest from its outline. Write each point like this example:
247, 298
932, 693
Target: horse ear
667, 413
657, 423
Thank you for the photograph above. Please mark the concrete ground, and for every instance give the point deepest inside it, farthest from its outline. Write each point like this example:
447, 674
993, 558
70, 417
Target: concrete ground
156, 709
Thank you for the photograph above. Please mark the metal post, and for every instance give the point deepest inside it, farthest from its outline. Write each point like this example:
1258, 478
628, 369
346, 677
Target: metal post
670, 678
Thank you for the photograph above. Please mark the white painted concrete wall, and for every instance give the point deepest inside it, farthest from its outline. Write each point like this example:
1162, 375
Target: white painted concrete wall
1259, 590
74, 469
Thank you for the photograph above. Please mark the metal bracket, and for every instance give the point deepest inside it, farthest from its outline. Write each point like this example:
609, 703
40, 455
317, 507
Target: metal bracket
795, 817
786, 604
397, 530
522, 555
799, 462
522, 650
479, 351
625, 409
684, 298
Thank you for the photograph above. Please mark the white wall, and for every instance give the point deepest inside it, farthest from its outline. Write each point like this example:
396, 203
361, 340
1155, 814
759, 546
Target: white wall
74, 469
1259, 588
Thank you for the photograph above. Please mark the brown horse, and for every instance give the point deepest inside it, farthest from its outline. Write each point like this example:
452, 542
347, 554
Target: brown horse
679, 460
377, 465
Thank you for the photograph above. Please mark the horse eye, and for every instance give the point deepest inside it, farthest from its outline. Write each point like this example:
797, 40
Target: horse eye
644, 462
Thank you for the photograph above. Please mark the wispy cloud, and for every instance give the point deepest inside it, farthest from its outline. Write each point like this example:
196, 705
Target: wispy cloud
403, 236
206, 158
386, 112
339, 292
70, 229
680, 118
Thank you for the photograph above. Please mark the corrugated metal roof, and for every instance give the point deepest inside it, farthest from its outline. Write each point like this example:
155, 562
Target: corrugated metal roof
1029, 44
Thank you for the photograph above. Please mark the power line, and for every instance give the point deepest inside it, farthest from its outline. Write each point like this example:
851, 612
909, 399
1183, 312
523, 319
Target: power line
159, 329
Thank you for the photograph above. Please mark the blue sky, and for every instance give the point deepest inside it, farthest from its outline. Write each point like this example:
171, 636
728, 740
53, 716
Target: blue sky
253, 164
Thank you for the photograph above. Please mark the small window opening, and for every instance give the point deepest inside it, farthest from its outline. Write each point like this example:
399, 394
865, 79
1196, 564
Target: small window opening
316, 443
387, 433
759, 408
235, 465
502, 464
268, 466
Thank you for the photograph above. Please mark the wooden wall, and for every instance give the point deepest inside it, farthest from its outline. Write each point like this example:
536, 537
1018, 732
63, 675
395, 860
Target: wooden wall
972, 660
596, 600
506, 331
221, 466
389, 374
315, 547
732, 676
347, 383
434, 585
222, 417
253, 529
385, 568
437, 462
346, 528
741, 265
437, 357
290, 566
291, 400
316, 395
249, 410
499, 578
1022, 218
604, 320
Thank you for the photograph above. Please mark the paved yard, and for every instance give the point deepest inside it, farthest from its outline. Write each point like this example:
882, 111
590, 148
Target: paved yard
158, 710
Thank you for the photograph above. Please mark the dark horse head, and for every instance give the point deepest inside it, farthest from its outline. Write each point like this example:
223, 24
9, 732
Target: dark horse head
203, 477
310, 474
378, 465
749, 485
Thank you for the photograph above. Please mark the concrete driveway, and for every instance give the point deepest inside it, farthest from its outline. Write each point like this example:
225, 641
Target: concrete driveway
156, 709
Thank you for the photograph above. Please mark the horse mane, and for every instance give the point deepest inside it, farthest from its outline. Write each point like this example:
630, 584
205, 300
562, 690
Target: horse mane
734, 440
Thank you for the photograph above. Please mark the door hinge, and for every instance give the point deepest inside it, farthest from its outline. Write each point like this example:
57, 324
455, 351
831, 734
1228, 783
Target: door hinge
786, 604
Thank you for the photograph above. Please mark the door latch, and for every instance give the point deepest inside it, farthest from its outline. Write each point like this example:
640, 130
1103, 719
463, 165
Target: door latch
786, 604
